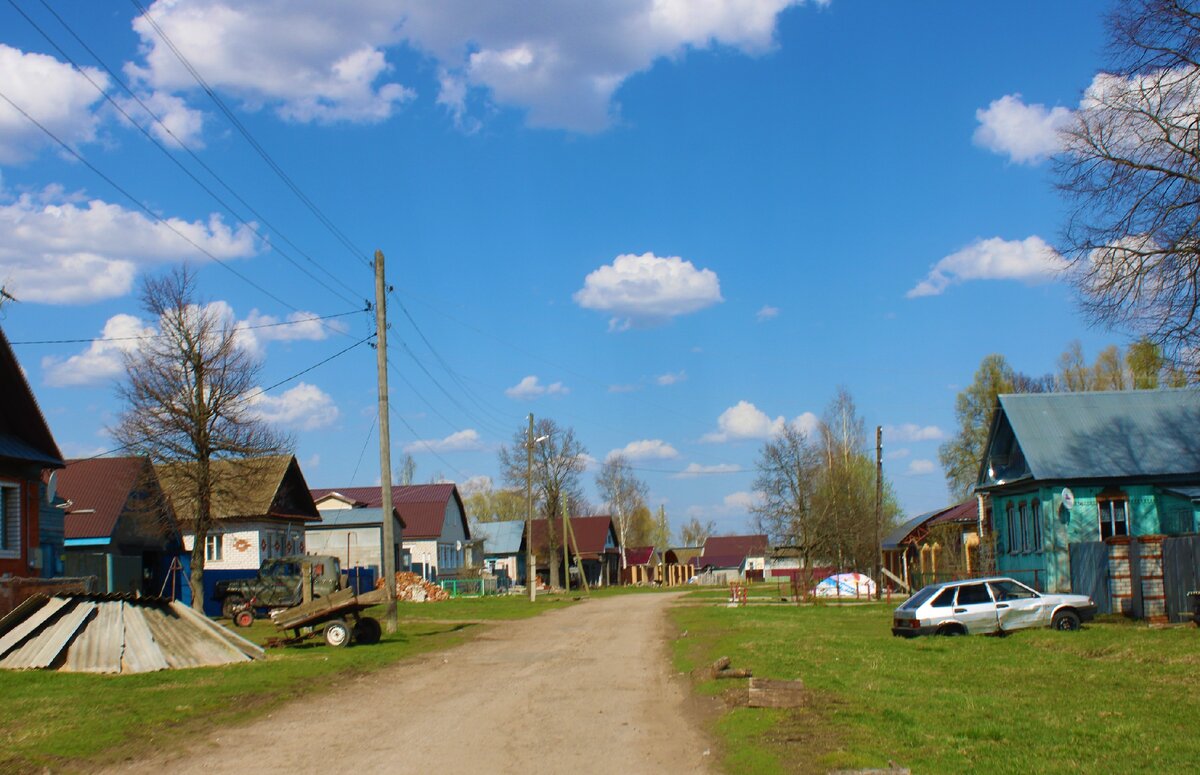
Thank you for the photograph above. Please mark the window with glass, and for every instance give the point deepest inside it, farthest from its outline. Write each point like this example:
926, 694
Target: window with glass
945, 599
1035, 512
973, 594
1114, 516
1023, 518
1010, 515
213, 546
10, 517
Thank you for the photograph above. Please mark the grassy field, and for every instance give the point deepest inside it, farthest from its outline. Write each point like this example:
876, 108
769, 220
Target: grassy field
66, 721
1114, 697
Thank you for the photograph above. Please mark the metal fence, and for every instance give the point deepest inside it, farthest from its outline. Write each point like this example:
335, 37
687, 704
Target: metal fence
469, 587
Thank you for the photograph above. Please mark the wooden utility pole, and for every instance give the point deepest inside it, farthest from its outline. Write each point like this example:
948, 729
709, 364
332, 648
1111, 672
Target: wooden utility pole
530, 567
566, 548
385, 446
878, 510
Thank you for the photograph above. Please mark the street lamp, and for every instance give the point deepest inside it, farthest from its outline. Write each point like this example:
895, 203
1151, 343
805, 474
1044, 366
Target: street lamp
530, 567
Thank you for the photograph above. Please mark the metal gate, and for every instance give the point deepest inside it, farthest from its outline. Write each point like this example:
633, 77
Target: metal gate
1089, 573
1181, 574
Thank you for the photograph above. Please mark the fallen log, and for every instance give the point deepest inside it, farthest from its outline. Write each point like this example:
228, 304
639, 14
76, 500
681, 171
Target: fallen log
772, 693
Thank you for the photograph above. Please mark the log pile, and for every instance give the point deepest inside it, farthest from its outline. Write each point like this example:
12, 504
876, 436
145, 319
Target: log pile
410, 587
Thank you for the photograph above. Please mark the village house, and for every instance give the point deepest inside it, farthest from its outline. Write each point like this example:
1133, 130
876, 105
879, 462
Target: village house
503, 550
118, 525
1098, 493
643, 565
437, 537
728, 558
259, 512
596, 542
355, 537
26, 449
934, 546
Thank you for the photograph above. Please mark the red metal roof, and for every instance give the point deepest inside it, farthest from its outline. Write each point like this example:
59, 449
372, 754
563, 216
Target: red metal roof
731, 550
99, 490
639, 555
422, 507
591, 535
962, 513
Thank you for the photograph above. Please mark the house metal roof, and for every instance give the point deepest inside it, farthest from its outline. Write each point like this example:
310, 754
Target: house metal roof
639, 555
99, 490
270, 486
893, 539
354, 518
421, 506
1191, 493
500, 537
1106, 434
966, 512
24, 435
591, 535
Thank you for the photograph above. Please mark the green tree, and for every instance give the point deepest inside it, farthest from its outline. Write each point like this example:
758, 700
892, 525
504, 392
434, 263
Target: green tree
660, 535
624, 494
1073, 373
1108, 373
960, 455
1146, 364
489, 505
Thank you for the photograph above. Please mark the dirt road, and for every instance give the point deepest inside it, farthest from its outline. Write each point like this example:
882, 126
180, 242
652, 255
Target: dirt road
595, 677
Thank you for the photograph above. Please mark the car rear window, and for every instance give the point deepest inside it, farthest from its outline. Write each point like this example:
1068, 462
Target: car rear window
944, 600
916, 600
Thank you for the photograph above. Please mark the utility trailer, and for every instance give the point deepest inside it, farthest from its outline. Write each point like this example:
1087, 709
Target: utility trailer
337, 616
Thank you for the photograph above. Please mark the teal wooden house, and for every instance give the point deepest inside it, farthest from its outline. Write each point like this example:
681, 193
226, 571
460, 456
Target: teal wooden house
1076, 479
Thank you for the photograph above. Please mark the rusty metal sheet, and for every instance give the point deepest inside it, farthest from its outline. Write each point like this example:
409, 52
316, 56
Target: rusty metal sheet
252, 650
142, 652
99, 645
48, 644
185, 644
21, 631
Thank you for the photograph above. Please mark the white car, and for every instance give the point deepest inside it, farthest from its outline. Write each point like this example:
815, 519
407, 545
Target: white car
991, 605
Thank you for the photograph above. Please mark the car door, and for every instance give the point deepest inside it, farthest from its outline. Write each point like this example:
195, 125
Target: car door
976, 609
1018, 606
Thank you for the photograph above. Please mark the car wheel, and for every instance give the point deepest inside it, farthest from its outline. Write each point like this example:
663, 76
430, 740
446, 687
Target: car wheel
1065, 620
230, 606
337, 633
950, 630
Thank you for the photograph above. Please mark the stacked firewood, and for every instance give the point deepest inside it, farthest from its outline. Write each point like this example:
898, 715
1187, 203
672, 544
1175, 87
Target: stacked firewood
412, 588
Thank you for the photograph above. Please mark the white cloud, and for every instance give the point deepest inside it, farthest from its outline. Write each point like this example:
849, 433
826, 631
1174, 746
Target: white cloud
53, 93
177, 123
646, 449
529, 387
695, 470
744, 420
101, 361
1029, 260
1027, 134
767, 313
807, 423
670, 379
897, 454
647, 289
258, 329
54, 250
912, 432
736, 504
921, 467
460, 441
305, 407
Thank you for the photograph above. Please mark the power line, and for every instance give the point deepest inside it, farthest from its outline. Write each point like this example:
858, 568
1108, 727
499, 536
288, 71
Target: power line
183, 146
258, 148
159, 336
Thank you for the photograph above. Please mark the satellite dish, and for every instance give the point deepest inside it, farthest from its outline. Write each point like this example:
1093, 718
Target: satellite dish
51, 487
1068, 498
458, 546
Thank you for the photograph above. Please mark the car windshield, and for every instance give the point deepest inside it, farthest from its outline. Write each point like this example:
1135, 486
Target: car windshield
916, 600
1008, 589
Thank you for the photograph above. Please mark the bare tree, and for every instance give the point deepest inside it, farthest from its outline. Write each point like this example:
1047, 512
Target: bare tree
406, 471
789, 467
1130, 170
624, 493
186, 404
695, 533
558, 462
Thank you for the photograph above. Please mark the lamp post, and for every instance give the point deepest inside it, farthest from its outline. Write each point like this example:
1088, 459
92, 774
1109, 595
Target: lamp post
530, 566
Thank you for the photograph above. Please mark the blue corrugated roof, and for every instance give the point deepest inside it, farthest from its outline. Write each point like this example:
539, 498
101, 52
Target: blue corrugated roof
499, 537
1107, 434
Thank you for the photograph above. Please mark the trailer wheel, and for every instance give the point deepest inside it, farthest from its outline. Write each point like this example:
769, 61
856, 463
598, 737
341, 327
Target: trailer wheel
244, 618
231, 604
367, 631
337, 633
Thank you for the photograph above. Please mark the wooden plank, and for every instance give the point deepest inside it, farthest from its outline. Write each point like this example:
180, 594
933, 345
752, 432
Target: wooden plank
772, 693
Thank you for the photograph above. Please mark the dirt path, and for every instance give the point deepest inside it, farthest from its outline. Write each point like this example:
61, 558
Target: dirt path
596, 677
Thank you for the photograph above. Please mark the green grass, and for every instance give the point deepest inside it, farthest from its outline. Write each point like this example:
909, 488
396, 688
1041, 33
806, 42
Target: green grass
1115, 697
71, 721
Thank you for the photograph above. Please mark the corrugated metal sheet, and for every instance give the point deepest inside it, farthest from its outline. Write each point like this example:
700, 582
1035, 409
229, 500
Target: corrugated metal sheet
117, 634
98, 648
1107, 434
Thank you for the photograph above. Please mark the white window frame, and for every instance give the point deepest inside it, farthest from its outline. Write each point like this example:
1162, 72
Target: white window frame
1104, 507
214, 547
10, 549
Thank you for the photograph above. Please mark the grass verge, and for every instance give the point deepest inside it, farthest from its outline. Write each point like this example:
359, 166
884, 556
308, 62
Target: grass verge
1114, 697
71, 721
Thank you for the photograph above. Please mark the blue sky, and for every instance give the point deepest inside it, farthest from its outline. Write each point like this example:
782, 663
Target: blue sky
673, 226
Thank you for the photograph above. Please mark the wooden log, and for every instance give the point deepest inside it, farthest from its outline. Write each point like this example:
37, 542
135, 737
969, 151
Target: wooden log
771, 693
721, 664
732, 673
